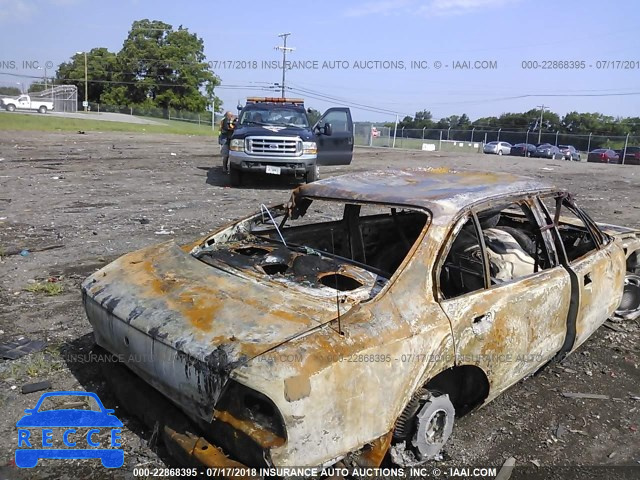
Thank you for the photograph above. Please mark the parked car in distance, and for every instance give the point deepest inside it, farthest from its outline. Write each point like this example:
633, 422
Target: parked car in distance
631, 156
603, 155
523, 149
497, 148
570, 152
546, 150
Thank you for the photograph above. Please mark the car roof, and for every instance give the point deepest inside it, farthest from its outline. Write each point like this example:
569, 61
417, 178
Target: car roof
440, 190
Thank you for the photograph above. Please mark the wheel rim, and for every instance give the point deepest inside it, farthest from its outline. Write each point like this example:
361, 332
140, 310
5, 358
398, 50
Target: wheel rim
435, 427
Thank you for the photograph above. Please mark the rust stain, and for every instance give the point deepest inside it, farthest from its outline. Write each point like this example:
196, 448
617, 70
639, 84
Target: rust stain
374, 453
296, 388
263, 437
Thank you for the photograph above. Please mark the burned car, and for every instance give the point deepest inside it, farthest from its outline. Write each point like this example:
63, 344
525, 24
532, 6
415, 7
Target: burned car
355, 322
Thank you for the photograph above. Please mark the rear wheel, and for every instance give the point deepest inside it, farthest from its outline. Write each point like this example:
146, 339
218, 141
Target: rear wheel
42, 109
11, 108
236, 177
423, 428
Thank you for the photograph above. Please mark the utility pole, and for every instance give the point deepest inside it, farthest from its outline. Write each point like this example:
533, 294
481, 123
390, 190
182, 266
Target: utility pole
542, 107
86, 84
284, 49
86, 81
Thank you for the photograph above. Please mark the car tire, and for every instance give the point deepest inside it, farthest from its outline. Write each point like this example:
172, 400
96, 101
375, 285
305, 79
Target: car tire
42, 109
499, 152
235, 176
312, 175
11, 107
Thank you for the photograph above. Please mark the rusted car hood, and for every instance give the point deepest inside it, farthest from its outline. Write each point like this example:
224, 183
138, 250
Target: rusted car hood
195, 308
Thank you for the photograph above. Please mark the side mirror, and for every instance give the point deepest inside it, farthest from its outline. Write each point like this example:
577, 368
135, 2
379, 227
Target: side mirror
327, 129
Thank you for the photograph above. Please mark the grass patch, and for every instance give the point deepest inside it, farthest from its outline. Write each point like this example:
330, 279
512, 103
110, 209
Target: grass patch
48, 288
51, 123
35, 365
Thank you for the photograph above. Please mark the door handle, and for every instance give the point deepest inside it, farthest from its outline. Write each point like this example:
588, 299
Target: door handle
487, 317
479, 318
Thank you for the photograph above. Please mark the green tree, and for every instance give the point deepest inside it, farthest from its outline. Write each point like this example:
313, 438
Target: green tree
313, 115
101, 70
10, 91
162, 67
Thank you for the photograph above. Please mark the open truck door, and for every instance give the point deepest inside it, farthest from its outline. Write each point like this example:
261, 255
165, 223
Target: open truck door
334, 132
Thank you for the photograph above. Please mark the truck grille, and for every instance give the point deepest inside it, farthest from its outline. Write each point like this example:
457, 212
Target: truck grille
274, 146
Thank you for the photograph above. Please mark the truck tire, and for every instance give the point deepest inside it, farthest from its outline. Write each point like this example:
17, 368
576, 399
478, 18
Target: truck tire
236, 177
11, 107
312, 175
42, 109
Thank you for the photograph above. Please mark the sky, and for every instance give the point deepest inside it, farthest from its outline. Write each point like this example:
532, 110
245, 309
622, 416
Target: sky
359, 53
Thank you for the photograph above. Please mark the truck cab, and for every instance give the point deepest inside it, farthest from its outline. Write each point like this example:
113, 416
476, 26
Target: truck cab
274, 136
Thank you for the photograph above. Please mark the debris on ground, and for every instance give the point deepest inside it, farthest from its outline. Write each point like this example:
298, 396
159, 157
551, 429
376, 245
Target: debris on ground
20, 347
591, 396
36, 387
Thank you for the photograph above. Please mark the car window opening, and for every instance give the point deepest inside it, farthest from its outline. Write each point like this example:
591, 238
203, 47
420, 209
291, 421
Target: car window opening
338, 245
514, 246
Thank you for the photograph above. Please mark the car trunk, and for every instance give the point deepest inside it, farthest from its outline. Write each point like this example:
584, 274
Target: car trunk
183, 325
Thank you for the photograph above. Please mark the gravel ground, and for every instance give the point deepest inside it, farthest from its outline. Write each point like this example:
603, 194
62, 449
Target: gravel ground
97, 196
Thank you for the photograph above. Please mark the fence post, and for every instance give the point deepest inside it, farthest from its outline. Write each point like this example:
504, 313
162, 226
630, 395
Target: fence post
527, 139
472, 130
589, 143
498, 139
423, 132
395, 133
131, 110
402, 137
624, 152
485, 138
198, 119
448, 133
557, 132
440, 142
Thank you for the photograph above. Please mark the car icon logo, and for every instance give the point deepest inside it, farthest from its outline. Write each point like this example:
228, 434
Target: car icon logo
78, 430
273, 146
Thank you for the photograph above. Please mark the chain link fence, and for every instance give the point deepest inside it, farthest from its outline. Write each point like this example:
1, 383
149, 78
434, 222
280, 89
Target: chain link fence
472, 140
199, 118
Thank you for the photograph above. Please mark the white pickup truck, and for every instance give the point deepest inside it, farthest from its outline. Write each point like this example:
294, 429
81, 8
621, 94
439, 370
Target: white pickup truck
24, 102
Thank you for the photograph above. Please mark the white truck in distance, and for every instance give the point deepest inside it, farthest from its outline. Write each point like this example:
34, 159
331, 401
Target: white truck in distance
24, 102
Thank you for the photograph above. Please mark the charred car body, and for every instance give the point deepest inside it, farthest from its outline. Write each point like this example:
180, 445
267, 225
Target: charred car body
359, 318
274, 136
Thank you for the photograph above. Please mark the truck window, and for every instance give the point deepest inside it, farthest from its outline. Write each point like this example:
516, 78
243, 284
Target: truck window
338, 120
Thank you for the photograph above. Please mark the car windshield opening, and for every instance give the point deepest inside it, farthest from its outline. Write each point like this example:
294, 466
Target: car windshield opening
281, 116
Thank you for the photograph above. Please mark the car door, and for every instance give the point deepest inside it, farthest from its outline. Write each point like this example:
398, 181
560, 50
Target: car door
508, 328
23, 102
595, 262
337, 148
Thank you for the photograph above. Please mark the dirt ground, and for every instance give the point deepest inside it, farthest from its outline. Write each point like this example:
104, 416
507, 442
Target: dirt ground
96, 196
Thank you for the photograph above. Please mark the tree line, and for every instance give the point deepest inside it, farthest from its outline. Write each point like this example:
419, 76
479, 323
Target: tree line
572, 123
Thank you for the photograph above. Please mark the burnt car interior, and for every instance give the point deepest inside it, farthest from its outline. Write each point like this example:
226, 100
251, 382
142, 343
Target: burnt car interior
514, 245
576, 237
312, 242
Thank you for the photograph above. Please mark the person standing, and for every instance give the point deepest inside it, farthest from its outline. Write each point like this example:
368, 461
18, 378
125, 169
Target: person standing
227, 128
